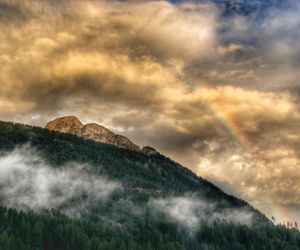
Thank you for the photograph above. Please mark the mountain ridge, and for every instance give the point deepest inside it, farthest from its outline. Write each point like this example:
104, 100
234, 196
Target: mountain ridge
137, 171
94, 131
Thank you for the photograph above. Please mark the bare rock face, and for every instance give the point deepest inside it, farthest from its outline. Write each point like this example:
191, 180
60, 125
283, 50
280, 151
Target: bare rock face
68, 124
93, 131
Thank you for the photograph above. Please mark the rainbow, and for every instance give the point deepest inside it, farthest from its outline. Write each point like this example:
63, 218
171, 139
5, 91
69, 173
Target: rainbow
281, 213
231, 125
226, 120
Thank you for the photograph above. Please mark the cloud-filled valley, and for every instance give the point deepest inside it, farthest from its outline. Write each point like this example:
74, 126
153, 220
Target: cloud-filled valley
218, 94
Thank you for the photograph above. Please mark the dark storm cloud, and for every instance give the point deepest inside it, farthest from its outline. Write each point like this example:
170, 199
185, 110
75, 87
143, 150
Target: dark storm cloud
11, 11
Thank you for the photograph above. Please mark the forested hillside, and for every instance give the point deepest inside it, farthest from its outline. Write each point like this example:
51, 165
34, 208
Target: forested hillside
146, 201
135, 170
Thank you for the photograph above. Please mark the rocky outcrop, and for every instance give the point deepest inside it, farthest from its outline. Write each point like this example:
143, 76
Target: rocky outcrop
93, 131
68, 124
149, 150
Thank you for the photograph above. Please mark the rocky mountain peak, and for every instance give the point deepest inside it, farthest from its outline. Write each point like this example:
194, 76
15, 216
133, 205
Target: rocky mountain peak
93, 131
67, 124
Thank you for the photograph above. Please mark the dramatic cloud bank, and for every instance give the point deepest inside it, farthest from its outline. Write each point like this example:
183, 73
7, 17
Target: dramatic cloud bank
27, 182
218, 94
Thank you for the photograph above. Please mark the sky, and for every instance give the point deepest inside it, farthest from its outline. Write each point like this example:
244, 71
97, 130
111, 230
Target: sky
213, 85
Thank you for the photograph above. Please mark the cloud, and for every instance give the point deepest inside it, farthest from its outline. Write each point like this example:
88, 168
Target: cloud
126, 55
267, 176
191, 212
181, 78
27, 182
